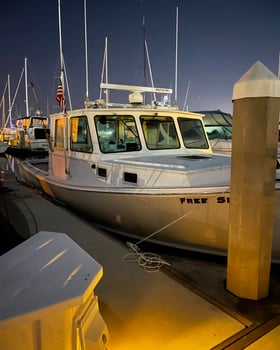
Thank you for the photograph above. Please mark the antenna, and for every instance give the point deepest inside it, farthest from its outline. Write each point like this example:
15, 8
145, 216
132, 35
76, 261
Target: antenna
279, 66
147, 60
60, 43
61, 58
62, 83
145, 47
105, 70
26, 88
150, 69
176, 56
185, 107
86, 51
67, 84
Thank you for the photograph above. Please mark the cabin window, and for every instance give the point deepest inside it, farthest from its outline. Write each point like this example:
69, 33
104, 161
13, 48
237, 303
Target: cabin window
193, 133
41, 133
117, 133
59, 133
80, 135
159, 132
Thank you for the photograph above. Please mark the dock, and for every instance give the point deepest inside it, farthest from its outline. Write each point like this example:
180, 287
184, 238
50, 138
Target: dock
182, 304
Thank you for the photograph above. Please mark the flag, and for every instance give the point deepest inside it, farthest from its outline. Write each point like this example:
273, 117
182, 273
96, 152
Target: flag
59, 94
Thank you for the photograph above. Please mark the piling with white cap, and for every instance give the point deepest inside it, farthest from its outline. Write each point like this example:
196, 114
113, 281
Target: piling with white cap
256, 106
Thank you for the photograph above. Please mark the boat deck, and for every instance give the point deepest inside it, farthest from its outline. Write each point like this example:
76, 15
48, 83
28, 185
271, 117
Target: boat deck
184, 305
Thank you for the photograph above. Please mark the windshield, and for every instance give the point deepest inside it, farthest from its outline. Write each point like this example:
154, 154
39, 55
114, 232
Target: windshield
193, 133
117, 133
159, 132
219, 132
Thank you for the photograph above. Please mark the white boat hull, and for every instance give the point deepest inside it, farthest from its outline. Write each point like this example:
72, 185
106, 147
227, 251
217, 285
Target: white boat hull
193, 219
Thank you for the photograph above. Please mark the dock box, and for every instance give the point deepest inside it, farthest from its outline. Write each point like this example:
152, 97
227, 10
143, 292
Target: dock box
47, 296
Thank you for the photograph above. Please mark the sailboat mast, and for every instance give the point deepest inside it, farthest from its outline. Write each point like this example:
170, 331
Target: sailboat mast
26, 88
9, 102
12, 103
2, 104
3, 108
3, 112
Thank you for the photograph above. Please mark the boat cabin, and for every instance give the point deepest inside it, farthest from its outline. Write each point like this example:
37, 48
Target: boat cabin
32, 133
130, 128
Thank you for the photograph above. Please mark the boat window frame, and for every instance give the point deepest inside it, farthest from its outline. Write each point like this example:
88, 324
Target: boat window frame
80, 139
156, 136
59, 133
121, 134
191, 140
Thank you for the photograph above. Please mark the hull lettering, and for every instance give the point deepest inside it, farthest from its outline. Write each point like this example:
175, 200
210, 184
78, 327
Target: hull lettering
204, 200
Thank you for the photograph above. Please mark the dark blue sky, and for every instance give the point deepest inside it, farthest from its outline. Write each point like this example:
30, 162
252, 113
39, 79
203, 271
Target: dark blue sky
219, 40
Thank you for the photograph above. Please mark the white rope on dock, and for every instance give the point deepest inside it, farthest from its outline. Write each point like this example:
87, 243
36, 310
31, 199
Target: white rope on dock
149, 261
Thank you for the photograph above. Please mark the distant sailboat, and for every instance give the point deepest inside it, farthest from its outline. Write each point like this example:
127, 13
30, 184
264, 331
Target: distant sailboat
3, 145
8, 131
31, 130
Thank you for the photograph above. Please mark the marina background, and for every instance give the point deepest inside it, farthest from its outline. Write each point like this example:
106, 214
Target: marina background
218, 41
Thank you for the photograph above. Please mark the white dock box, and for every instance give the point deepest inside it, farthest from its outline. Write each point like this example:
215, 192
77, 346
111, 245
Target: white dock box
47, 296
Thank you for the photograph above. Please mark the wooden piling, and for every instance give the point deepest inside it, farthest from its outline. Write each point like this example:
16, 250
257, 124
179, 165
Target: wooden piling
256, 107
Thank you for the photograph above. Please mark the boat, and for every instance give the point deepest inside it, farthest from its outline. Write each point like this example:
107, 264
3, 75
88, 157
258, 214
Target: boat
147, 172
218, 125
139, 169
31, 138
7, 130
31, 132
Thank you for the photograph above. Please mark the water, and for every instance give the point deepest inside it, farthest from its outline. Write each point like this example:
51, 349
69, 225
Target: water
9, 238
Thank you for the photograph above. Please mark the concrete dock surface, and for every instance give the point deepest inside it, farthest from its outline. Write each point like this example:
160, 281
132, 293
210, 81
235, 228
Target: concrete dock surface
184, 305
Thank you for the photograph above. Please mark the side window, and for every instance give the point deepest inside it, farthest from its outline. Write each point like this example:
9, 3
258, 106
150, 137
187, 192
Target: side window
193, 133
80, 135
59, 133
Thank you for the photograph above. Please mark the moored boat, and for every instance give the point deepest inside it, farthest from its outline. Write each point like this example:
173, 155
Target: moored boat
31, 132
31, 137
143, 171
218, 125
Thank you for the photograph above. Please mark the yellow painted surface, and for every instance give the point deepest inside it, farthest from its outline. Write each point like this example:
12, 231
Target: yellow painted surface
269, 341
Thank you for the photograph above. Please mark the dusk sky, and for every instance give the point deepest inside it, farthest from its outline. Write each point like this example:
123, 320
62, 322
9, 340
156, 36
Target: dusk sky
219, 40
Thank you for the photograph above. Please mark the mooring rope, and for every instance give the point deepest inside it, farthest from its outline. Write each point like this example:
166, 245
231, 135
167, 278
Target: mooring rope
149, 261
